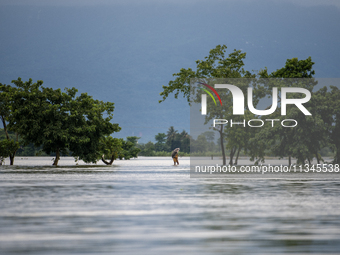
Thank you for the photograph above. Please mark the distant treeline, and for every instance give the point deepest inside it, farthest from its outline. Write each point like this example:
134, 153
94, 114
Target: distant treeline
204, 145
166, 143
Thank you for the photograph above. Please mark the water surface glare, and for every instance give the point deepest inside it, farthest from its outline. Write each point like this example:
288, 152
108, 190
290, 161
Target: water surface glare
148, 206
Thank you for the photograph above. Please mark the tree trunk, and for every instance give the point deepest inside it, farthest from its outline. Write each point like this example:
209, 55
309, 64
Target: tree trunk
336, 139
289, 160
108, 162
5, 126
317, 157
11, 157
337, 156
222, 145
57, 157
232, 153
238, 153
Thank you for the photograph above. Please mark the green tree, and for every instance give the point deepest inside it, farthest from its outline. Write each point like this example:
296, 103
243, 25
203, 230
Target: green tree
8, 147
160, 144
294, 68
130, 149
160, 138
110, 147
133, 139
200, 144
216, 65
204, 143
307, 138
235, 136
209, 135
335, 128
117, 148
90, 120
60, 121
147, 149
238, 137
184, 143
328, 107
171, 138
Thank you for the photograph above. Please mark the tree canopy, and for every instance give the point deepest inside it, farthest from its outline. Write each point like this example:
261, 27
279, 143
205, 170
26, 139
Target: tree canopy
8, 146
60, 122
216, 65
303, 142
117, 148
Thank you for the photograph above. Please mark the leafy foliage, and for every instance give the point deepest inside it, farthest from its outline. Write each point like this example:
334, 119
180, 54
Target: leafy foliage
308, 137
216, 65
305, 141
114, 148
59, 121
9, 146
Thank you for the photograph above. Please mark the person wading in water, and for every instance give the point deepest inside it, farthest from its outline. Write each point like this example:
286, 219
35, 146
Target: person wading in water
174, 156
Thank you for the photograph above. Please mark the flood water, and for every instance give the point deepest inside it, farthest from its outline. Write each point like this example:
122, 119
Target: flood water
148, 206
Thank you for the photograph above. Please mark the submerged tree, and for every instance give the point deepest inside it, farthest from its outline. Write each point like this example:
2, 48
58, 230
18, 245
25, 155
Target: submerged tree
216, 65
328, 107
60, 121
8, 147
335, 127
307, 138
117, 148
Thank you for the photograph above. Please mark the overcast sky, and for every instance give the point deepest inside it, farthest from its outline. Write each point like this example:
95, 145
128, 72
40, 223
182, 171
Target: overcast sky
98, 2
124, 51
